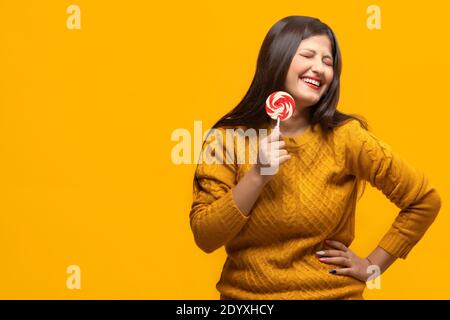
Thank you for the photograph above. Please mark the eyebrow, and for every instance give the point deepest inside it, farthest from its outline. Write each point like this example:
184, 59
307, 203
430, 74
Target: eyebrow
316, 52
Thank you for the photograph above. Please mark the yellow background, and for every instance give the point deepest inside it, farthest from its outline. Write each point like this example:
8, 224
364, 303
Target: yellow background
87, 115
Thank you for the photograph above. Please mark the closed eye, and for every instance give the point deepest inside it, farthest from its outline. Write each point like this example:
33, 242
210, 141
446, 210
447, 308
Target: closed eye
327, 60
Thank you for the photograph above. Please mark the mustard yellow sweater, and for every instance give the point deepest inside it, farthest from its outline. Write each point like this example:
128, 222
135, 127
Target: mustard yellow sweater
271, 252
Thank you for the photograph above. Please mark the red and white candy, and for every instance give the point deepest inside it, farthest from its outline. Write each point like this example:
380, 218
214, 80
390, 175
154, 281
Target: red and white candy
280, 106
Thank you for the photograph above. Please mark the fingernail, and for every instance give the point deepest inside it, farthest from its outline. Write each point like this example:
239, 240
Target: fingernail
320, 253
332, 271
322, 259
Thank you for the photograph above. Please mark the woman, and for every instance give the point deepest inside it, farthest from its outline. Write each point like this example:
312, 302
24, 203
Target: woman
287, 234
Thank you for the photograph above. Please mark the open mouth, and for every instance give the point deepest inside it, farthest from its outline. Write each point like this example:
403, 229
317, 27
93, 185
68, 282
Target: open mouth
312, 83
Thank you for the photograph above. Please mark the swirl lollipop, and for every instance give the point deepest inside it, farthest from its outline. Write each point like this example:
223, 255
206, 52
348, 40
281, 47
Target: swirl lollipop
280, 106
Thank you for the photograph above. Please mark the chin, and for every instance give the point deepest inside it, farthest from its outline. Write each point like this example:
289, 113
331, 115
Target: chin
309, 100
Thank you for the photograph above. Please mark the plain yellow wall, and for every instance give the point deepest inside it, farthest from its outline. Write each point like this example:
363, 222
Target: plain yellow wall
86, 119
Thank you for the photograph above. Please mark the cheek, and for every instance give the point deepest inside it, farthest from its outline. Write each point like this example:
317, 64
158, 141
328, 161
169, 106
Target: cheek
298, 67
291, 79
329, 78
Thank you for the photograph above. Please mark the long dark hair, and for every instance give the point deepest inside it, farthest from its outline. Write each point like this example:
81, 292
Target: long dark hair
275, 56
274, 59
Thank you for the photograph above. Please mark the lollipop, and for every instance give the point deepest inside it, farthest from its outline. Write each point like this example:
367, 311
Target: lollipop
280, 106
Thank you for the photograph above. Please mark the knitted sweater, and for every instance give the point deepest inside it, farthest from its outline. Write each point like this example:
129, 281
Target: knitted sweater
312, 197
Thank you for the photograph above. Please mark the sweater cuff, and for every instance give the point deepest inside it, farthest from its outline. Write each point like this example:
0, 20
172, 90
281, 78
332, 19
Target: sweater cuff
232, 217
396, 245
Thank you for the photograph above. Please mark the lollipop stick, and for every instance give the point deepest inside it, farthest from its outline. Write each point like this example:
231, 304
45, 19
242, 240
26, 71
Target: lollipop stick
278, 124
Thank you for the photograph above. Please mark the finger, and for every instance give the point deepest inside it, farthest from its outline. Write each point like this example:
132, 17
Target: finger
336, 244
337, 260
281, 153
278, 144
342, 271
275, 135
332, 253
284, 158
281, 143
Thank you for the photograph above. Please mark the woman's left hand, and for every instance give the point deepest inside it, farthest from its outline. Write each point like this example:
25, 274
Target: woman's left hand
353, 265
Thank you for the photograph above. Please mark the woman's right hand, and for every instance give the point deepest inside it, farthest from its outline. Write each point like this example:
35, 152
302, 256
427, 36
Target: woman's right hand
271, 155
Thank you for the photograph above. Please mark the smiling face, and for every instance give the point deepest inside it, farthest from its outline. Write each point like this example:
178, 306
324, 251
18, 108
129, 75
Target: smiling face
311, 71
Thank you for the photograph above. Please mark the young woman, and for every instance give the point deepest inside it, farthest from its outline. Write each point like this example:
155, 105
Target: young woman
287, 234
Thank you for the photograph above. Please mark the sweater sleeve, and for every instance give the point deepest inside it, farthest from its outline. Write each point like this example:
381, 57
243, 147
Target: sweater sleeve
371, 159
215, 218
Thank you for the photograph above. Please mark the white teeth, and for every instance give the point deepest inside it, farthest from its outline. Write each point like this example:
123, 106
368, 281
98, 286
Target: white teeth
314, 82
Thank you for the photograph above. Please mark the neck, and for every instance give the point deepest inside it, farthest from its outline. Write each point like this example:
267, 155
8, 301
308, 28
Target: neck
297, 123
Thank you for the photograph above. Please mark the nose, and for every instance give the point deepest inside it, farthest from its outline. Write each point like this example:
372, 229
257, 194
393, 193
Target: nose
317, 67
